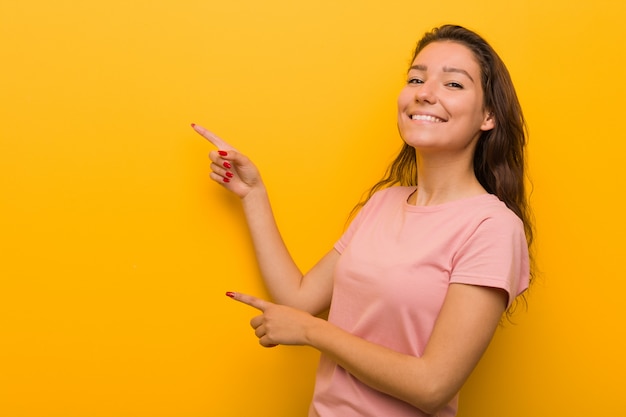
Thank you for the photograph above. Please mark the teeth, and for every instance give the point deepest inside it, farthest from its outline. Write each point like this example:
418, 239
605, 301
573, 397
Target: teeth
426, 118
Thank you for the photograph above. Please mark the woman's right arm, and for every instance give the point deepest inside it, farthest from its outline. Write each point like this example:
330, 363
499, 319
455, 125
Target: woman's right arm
285, 282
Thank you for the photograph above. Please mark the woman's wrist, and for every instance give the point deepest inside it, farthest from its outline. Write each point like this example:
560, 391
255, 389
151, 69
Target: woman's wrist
256, 193
314, 330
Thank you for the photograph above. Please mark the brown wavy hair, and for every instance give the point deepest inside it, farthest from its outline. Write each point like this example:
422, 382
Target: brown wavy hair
499, 163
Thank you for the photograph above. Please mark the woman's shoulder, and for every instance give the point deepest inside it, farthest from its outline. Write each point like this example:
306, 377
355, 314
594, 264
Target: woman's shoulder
497, 211
387, 199
398, 192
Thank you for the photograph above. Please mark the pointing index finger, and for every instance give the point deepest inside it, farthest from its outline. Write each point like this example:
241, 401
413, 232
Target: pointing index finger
213, 138
257, 303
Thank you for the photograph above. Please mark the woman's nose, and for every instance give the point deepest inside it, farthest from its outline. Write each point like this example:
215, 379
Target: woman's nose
426, 93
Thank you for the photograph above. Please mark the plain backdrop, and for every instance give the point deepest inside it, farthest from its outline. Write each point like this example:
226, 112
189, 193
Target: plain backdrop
116, 248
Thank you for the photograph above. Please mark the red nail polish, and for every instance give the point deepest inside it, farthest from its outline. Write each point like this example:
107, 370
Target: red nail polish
223, 153
226, 179
229, 174
227, 165
230, 294
193, 125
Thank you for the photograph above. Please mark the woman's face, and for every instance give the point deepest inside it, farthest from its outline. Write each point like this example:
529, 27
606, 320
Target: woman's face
441, 106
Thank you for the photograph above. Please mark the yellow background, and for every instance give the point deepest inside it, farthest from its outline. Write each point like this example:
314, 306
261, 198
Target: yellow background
116, 249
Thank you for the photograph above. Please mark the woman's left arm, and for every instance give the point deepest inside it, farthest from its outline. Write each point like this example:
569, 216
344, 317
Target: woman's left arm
465, 326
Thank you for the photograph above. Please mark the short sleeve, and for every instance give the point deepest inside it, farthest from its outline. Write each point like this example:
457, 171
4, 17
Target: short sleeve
495, 255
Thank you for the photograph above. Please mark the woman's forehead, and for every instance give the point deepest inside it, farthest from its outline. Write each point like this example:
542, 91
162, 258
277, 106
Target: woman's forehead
446, 54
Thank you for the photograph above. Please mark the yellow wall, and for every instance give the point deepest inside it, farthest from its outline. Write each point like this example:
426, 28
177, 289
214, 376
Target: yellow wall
116, 248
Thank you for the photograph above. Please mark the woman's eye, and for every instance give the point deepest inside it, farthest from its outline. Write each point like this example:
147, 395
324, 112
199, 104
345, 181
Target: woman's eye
454, 85
414, 81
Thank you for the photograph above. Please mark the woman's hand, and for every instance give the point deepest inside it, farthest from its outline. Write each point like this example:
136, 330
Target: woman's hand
278, 324
230, 168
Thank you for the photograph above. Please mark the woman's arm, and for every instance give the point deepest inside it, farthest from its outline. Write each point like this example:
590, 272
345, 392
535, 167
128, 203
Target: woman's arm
310, 292
283, 279
463, 330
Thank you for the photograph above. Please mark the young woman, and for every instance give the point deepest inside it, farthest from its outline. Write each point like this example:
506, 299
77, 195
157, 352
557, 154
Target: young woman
435, 255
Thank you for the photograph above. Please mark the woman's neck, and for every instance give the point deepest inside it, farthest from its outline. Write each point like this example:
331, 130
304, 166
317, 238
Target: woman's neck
443, 181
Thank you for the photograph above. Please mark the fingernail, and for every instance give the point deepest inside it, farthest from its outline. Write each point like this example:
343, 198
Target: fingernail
193, 125
223, 153
226, 179
227, 165
230, 294
229, 174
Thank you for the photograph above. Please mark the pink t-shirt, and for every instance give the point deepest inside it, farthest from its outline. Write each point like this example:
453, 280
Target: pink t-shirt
397, 261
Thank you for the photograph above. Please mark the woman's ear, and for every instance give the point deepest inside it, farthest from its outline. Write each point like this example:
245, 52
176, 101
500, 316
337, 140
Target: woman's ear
489, 122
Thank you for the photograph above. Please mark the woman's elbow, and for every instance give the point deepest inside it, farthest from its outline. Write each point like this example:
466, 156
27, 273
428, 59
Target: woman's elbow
434, 398
433, 407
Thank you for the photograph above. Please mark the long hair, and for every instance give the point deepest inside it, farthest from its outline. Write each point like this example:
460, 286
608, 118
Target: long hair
499, 155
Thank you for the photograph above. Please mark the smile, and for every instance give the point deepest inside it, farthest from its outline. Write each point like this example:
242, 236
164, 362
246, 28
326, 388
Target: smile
426, 118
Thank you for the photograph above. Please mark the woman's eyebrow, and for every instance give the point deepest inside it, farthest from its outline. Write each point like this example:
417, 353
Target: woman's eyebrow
420, 67
459, 70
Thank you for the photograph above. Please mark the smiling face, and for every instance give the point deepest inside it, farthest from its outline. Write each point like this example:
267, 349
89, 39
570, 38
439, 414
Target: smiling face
441, 106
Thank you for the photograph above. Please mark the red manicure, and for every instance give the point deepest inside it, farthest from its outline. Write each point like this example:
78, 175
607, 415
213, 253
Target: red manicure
223, 153
230, 294
193, 125
226, 179
227, 165
229, 174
